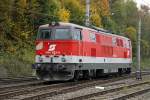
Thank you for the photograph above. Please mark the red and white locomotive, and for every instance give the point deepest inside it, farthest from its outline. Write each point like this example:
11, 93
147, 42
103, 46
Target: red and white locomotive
66, 51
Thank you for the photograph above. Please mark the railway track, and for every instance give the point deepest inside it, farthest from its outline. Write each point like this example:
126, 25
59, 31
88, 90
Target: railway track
31, 87
40, 92
132, 94
104, 94
37, 90
10, 80
12, 87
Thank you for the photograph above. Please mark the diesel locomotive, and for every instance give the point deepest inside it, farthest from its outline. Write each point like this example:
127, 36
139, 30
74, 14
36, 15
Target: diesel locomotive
66, 51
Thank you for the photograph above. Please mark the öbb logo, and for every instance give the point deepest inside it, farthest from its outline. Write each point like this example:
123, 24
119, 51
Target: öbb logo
52, 47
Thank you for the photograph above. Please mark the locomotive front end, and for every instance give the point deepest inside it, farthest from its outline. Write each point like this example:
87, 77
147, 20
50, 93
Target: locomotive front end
53, 53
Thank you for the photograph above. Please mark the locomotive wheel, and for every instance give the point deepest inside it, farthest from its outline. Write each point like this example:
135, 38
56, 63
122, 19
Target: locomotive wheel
76, 75
86, 75
100, 73
120, 71
128, 70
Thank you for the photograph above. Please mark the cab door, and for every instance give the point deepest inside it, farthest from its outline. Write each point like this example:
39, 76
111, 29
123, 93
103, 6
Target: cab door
78, 38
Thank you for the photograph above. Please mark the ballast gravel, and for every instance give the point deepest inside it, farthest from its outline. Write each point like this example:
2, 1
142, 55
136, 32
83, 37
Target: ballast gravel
92, 89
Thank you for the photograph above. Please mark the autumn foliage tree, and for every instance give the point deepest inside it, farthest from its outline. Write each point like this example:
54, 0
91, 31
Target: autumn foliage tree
104, 8
64, 15
130, 32
77, 11
95, 17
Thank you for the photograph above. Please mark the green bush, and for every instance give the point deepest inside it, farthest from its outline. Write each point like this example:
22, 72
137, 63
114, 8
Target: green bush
144, 64
18, 63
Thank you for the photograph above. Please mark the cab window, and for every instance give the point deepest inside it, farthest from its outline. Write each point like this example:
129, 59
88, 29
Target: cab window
44, 34
77, 34
92, 37
62, 34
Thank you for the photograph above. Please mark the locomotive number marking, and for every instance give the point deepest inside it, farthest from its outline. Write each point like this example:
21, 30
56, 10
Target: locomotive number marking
52, 47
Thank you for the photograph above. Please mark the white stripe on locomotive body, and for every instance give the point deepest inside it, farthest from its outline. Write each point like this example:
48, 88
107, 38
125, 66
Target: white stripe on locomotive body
76, 59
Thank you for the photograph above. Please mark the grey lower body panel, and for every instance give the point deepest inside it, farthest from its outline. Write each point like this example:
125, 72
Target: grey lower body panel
65, 71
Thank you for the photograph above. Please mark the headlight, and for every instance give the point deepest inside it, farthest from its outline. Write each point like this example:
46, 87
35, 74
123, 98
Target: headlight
39, 46
40, 59
63, 59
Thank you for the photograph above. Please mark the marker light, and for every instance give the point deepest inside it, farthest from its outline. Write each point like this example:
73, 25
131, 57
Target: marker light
40, 59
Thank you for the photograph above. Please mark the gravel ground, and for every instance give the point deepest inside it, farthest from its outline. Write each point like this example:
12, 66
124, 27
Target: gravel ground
93, 89
112, 95
3, 72
90, 90
145, 96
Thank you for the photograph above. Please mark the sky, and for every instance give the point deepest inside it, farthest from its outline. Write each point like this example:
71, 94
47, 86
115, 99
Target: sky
145, 2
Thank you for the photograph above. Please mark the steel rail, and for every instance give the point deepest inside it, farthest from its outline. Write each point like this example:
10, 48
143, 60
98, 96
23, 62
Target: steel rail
109, 91
133, 94
72, 88
63, 88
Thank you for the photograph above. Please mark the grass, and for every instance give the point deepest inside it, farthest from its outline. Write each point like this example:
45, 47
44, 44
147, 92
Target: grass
16, 64
145, 64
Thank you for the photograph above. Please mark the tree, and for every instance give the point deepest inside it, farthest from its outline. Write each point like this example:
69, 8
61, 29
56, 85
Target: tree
104, 8
4, 13
48, 11
131, 13
95, 17
145, 48
64, 15
119, 15
130, 32
101, 11
77, 11
110, 25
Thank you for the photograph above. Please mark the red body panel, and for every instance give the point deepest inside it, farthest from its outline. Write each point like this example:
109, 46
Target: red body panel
103, 47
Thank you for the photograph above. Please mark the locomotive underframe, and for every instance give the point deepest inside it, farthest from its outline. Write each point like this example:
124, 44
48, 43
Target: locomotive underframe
66, 71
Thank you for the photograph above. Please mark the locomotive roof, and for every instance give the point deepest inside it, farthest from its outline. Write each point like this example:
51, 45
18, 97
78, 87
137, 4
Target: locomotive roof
83, 27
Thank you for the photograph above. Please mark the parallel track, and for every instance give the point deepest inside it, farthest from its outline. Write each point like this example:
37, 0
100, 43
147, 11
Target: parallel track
36, 90
103, 93
52, 91
32, 88
10, 80
133, 94
8, 90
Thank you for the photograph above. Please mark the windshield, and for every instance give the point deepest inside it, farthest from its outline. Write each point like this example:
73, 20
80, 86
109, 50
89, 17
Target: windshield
62, 34
44, 34
55, 34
